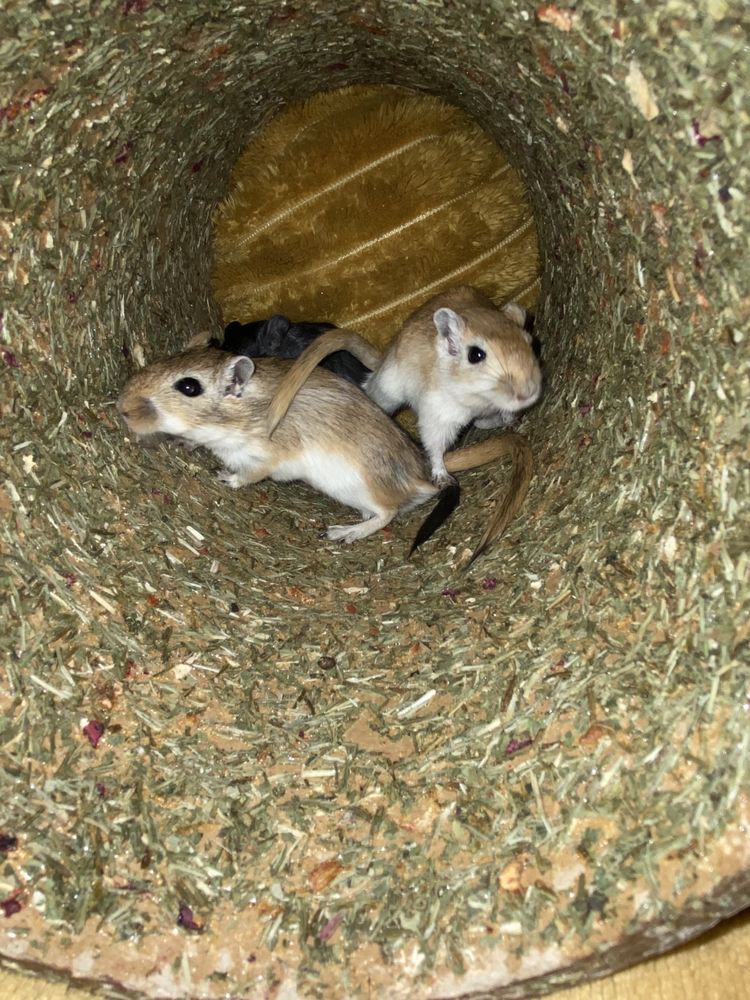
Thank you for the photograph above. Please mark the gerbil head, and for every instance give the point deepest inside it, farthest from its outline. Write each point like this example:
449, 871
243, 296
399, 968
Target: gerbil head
487, 354
190, 395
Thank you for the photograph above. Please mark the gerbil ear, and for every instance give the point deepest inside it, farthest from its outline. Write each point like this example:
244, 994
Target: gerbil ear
515, 313
201, 339
451, 328
238, 373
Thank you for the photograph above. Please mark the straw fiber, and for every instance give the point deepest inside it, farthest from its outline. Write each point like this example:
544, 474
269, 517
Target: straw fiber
241, 761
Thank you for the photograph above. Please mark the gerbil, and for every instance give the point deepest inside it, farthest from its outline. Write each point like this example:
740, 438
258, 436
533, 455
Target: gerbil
279, 337
458, 359
333, 437
509, 444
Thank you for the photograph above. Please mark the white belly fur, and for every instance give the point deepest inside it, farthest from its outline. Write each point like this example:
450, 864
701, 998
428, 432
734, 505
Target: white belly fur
330, 474
237, 456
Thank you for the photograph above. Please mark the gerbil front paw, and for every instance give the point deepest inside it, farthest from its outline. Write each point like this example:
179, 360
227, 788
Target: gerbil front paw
183, 443
441, 479
503, 418
229, 478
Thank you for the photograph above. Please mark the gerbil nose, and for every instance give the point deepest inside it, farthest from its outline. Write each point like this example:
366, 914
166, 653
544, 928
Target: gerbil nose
528, 393
134, 408
123, 408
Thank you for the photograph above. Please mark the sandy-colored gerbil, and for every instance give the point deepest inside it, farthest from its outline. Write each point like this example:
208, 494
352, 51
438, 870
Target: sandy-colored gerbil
508, 445
333, 437
458, 359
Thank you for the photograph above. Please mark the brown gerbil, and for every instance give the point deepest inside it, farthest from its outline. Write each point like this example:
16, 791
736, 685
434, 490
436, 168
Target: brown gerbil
510, 444
458, 359
332, 437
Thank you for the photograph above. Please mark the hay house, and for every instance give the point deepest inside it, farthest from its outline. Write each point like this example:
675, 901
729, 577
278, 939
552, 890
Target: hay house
237, 759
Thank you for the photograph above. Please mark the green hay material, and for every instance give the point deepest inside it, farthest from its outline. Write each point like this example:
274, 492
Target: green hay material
544, 778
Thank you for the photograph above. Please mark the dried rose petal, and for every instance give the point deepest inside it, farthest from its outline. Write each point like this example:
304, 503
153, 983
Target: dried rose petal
699, 138
185, 919
93, 731
515, 745
8, 842
594, 734
14, 108
101, 790
329, 929
11, 905
489, 583
9, 358
450, 592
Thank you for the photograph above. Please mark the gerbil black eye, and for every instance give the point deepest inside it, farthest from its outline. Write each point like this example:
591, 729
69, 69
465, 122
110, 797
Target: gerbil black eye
475, 355
189, 386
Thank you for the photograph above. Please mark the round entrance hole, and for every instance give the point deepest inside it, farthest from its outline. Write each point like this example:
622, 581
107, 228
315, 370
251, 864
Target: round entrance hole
236, 758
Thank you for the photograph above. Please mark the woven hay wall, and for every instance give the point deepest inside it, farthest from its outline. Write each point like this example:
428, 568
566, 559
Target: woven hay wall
239, 761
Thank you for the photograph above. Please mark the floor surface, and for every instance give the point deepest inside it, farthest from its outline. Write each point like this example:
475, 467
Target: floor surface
714, 967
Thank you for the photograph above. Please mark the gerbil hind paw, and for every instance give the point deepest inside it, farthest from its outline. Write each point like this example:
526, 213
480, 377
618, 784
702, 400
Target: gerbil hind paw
353, 532
342, 533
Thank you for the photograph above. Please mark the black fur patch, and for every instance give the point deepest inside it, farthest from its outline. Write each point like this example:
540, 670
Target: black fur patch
278, 337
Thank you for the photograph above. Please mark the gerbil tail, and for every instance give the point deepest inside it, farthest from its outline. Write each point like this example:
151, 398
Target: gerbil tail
298, 374
514, 446
447, 503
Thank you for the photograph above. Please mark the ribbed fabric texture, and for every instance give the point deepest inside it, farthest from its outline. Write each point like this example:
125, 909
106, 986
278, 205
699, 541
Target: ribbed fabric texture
358, 204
